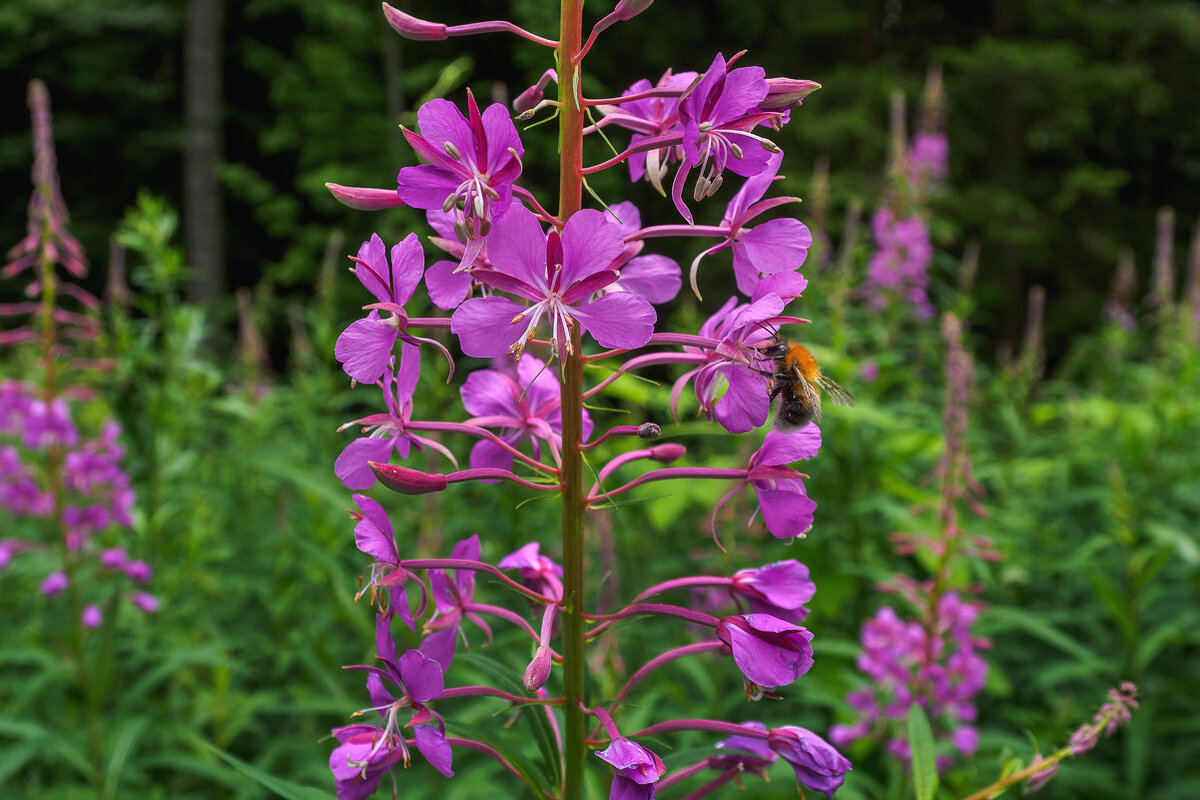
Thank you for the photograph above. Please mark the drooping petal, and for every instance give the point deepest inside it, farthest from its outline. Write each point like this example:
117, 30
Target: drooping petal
365, 348
621, 320
433, 745
746, 402
484, 326
769, 651
351, 464
787, 513
448, 288
373, 534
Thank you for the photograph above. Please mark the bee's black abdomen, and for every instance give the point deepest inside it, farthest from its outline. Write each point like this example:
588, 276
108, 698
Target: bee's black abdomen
792, 412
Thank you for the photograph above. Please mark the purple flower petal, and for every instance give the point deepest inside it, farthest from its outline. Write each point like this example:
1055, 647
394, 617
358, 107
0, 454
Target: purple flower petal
787, 448
365, 348
590, 243
654, 277
433, 745
745, 404
351, 465
422, 676
517, 247
425, 186
484, 326
447, 288
408, 264
618, 320
373, 534
787, 513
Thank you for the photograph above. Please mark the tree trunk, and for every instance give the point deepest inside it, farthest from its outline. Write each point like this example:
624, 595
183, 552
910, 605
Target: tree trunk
203, 225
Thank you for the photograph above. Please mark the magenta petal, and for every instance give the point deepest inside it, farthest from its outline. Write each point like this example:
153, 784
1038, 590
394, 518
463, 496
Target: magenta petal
745, 88
486, 453
351, 465
408, 263
517, 246
787, 448
447, 288
501, 135
753, 189
590, 242
489, 393
754, 158
485, 328
620, 319
372, 269
440, 121
408, 374
373, 533
745, 404
439, 646
776, 658
433, 745
776, 245
787, 285
422, 676
654, 277
787, 514
365, 348
425, 186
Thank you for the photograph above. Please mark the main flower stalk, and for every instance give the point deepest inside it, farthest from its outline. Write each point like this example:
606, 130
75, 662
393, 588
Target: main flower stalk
570, 191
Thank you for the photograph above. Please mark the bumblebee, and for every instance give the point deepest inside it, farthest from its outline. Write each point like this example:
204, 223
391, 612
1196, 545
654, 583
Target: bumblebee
798, 383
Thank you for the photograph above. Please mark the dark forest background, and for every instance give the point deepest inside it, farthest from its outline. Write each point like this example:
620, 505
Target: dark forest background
1070, 123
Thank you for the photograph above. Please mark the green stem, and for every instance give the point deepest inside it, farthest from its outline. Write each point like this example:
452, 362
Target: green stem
570, 191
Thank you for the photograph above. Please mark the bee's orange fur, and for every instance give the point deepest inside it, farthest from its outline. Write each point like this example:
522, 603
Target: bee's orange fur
798, 358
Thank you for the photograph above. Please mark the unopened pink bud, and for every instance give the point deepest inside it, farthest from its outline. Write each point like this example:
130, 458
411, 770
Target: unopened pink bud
364, 199
408, 481
528, 99
784, 92
538, 671
666, 453
410, 27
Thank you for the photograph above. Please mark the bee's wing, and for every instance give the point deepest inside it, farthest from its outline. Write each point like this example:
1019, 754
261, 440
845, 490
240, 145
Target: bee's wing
812, 398
837, 393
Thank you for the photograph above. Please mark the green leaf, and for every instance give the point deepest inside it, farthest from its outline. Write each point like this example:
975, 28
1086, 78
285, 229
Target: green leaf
924, 759
125, 743
285, 789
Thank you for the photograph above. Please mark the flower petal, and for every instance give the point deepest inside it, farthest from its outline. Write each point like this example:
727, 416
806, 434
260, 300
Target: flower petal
351, 465
654, 277
517, 246
408, 264
620, 319
590, 242
484, 326
365, 348
433, 745
787, 513
447, 287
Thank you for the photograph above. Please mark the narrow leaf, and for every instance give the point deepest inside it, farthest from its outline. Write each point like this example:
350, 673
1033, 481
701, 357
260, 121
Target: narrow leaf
924, 760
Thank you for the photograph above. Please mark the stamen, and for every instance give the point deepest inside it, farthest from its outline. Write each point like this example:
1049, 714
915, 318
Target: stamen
451, 150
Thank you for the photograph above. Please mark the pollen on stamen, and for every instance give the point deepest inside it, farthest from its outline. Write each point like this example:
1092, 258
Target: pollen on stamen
451, 150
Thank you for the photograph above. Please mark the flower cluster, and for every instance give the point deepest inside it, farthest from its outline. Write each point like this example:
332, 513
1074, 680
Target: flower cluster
542, 295
47, 468
906, 662
899, 268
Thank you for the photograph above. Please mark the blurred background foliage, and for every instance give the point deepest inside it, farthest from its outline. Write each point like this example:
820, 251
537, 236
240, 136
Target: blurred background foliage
1069, 124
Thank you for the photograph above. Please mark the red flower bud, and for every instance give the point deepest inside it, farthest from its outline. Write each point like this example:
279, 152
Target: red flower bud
410, 27
407, 481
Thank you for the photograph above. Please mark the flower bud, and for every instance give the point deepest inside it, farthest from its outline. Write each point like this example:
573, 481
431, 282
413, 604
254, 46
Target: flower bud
410, 27
407, 481
538, 671
784, 92
628, 9
649, 430
666, 453
363, 199
817, 764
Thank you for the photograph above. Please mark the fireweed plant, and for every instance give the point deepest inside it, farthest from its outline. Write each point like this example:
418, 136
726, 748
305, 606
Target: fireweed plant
545, 294
48, 468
